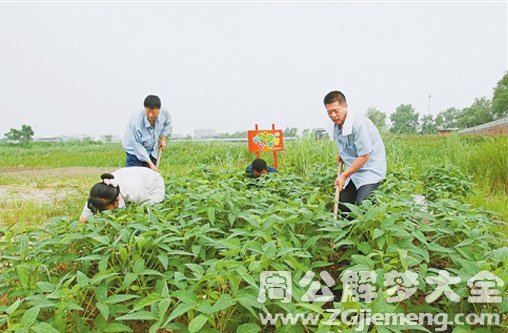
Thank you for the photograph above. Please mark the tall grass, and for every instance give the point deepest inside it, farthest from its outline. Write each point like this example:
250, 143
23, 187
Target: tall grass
54, 155
304, 156
489, 164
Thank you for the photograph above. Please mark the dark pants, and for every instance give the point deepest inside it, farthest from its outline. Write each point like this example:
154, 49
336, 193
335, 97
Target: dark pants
355, 196
133, 161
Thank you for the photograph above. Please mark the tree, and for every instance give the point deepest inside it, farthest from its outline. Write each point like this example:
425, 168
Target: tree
23, 135
480, 112
428, 125
500, 100
448, 118
238, 135
404, 120
377, 117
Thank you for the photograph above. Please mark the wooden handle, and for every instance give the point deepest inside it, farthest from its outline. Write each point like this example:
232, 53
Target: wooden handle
337, 193
159, 158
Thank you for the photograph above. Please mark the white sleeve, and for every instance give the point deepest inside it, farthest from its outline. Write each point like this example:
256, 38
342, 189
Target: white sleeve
86, 213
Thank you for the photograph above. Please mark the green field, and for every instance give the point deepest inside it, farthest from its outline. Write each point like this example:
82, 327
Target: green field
485, 160
193, 263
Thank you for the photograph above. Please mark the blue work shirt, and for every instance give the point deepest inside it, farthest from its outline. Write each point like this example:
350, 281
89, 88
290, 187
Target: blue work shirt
359, 136
141, 138
250, 170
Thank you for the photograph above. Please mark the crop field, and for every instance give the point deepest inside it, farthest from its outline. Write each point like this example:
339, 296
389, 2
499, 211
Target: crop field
198, 261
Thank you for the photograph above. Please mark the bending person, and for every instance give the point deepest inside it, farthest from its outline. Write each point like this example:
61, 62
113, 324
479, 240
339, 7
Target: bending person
122, 187
147, 131
258, 168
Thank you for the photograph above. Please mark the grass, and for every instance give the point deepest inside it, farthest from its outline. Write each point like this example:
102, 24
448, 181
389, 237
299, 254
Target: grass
56, 155
484, 159
28, 212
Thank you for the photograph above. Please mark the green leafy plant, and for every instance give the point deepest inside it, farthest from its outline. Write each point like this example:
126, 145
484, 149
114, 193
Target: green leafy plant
193, 263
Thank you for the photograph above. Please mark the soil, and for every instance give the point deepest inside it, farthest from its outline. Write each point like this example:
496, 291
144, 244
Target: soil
25, 193
43, 194
34, 172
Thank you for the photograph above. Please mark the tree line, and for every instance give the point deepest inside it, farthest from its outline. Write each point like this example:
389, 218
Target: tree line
405, 120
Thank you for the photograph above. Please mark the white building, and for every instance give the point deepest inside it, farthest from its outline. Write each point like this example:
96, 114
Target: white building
205, 133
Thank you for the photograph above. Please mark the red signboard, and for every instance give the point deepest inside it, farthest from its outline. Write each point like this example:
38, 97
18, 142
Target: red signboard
265, 141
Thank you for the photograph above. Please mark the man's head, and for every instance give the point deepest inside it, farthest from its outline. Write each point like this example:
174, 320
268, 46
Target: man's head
152, 107
336, 106
258, 167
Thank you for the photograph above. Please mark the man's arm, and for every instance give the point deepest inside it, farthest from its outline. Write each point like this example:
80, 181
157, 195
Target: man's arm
166, 128
85, 214
162, 142
354, 167
133, 140
152, 166
363, 146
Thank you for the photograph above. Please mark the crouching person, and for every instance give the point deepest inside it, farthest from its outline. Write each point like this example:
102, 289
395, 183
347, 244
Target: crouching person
258, 168
124, 186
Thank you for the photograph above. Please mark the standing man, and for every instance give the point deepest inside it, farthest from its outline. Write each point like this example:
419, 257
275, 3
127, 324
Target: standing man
147, 131
360, 147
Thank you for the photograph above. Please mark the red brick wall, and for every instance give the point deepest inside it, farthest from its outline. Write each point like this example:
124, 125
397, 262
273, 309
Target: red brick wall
494, 130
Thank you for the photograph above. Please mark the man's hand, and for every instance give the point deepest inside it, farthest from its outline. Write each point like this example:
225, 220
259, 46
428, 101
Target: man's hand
152, 166
355, 166
339, 159
340, 181
162, 142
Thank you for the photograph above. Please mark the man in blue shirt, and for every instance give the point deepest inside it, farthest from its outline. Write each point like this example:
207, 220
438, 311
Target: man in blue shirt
258, 168
360, 147
147, 131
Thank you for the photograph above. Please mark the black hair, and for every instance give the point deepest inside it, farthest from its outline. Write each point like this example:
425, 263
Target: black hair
259, 164
102, 195
335, 96
152, 102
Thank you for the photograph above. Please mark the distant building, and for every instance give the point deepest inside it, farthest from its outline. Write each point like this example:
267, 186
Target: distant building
109, 138
498, 127
446, 131
65, 138
50, 139
177, 136
205, 133
320, 134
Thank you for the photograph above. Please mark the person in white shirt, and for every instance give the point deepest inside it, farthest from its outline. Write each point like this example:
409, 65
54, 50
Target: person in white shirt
126, 185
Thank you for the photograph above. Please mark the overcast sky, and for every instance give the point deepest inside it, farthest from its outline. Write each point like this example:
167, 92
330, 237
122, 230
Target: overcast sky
84, 68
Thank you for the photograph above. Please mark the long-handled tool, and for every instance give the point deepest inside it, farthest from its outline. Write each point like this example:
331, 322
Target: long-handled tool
159, 158
337, 193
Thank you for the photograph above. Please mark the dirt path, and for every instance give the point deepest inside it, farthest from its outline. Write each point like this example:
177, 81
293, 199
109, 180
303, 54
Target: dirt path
48, 192
33, 172
17, 193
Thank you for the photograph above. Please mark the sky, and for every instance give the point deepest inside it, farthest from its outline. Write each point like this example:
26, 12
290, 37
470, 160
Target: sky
83, 68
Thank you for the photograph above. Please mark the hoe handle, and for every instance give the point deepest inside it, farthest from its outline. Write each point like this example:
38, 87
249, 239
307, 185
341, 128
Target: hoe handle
159, 158
337, 193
